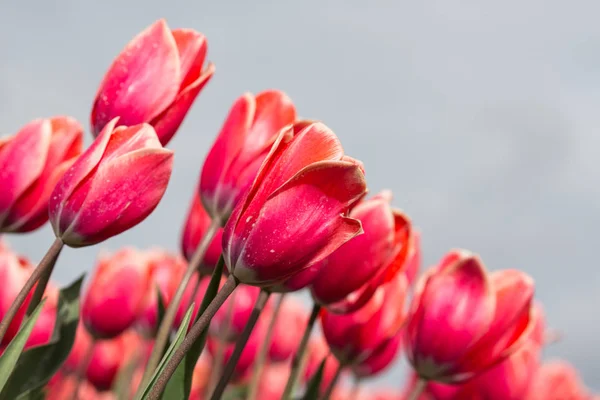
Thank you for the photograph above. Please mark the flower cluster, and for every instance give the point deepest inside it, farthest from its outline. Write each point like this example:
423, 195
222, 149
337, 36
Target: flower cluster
279, 208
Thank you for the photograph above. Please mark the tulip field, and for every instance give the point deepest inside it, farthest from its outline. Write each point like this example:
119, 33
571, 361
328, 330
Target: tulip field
279, 208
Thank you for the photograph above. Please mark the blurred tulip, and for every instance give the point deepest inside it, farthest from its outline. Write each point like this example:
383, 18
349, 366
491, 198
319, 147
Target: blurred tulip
272, 381
464, 321
79, 351
288, 330
346, 279
115, 184
293, 216
44, 326
380, 359
65, 387
200, 377
166, 271
557, 380
120, 282
31, 163
155, 79
196, 226
107, 358
245, 139
14, 272
413, 258
317, 352
187, 298
231, 326
356, 336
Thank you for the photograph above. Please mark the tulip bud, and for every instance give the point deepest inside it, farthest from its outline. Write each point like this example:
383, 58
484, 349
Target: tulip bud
348, 277
14, 272
196, 226
354, 337
31, 163
166, 271
238, 152
120, 282
288, 330
464, 321
115, 184
293, 215
155, 79
557, 380
107, 358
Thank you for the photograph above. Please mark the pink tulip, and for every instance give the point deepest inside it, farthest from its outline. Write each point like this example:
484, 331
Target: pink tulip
413, 258
44, 326
464, 321
245, 139
380, 359
166, 271
120, 282
115, 184
356, 336
196, 226
557, 380
346, 279
77, 356
273, 380
107, 358
201, 377
288, 330
31, 163
187, 299
155, 79
14, 272
66, 385
317, 352
294, 215
233, 325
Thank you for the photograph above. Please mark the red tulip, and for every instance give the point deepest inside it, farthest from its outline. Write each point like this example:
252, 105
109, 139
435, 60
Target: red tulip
356, 336
380, 359
44, 326
115, 184
557, 380
293, 216
317, 352
273, 380
346, 279
121, 282
413, 258
31, 163
196, 226
166, 271
464, 321
288, 330
107, 357
155, 79
238, 152
14, 272
77, 356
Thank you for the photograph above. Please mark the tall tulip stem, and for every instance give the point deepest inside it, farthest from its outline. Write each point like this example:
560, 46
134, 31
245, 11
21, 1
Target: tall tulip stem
193, 335
299, 359
261, 301
162, 335
417, 389
264, 350
333, 382
42, 274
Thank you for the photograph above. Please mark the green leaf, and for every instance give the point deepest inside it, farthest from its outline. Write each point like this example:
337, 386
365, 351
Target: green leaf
38, 364
180, 384
11, 354
34, 394
170, 351
314, 385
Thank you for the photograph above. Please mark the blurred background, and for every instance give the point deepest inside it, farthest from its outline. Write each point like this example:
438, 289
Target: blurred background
481, 116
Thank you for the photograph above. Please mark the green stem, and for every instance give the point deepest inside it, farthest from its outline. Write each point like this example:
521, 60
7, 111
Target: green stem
264, 350
41, 273
299, 361
162, 335
193, 335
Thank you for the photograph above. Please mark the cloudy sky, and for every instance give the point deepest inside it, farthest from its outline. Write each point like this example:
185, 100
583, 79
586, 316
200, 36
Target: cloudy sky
481, 116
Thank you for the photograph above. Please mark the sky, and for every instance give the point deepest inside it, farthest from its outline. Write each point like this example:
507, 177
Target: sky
480, 116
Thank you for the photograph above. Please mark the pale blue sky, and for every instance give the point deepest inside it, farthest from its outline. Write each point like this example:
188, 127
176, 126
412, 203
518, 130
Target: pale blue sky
481, 116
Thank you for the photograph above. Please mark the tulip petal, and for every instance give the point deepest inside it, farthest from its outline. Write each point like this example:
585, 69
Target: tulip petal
22, 161
122, 193
454, 310
192, 48
314, 231
142, 81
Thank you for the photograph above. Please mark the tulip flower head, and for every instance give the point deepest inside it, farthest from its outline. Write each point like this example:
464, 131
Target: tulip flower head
245, 140
31, 163
557, 380
294, 214
115, 184
464, 320
154, 80
288, 330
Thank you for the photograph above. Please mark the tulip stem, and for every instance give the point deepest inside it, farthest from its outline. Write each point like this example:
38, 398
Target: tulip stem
41, 273
331, 386
162, 335
193, 335
220, 348
417, 389
264, 350
82, 368
259, 305
299, 360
